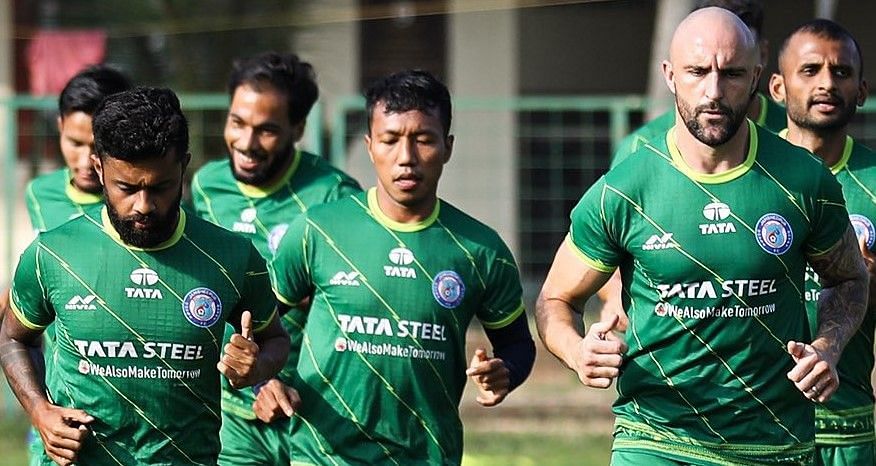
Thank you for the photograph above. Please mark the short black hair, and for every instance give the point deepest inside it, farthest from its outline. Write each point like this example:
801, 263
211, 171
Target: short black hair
83, 92
749, 11
140, 124
282, 71
410, 90
826, 29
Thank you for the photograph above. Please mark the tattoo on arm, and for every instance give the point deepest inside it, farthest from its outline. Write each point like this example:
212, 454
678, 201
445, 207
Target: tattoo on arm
22, 363
843, 300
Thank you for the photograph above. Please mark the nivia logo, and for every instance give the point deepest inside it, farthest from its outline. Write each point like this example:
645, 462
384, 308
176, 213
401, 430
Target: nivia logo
248, 215
79, 303
345, 279
656, 242
401, 256
144, 276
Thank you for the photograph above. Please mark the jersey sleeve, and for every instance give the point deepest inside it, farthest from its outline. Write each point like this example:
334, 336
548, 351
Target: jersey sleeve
33, 209
290, 274
28, 298
503, 297
256, 295
591, 234
345, 188
829, 219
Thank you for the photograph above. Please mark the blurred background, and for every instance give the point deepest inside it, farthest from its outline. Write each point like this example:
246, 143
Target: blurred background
542, 92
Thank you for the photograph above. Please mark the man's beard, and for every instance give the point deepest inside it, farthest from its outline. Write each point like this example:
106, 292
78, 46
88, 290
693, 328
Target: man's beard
160, 230
267, 172
735, 118
801, 117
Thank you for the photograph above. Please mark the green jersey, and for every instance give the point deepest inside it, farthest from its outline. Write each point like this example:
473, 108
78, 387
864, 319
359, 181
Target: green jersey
263, 214
772, 117
52, 200
713, 271
138, 332
848, 417
383, 362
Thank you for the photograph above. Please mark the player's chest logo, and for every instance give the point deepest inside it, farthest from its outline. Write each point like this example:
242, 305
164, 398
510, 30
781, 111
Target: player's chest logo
658, 242
144, 278
245, 225
448, 289
81, 302
719, 221
342, 278
863, 229
202, 307
774, 234
400, 259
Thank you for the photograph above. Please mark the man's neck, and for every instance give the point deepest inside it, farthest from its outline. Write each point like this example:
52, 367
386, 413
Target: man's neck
405, 214
710, 160
827, 145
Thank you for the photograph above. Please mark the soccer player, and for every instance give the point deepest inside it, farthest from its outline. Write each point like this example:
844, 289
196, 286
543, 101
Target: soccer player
257, 191
761, 110
396, 276
711, 233
56, 197
139, 294
821, 82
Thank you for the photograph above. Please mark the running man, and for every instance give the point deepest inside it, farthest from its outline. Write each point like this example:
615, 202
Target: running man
396, 276
257, 191
139, 295
711, 234
821, 82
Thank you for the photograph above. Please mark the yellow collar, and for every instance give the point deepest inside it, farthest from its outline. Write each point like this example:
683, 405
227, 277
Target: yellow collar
383, 219
265, 191
174, 238
77, 195
714, 178
844, 159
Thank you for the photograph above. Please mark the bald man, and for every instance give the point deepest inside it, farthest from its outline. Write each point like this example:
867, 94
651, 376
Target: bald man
711, 234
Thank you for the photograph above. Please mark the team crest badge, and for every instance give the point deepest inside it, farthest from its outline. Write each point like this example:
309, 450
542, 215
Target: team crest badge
276, 235
864, 229
774, 234
448, 289
202, 307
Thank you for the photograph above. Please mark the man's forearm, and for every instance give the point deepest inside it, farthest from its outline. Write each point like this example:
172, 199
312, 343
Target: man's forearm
273, 352
841, 309
557, 327
24, 372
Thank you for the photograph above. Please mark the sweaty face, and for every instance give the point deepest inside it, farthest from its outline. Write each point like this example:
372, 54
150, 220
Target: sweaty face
142, 198
713, 78
408, 151
822, 84
77, 144
258, 134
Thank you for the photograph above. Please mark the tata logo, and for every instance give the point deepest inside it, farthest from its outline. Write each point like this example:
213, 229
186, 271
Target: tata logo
144, 277
79, 303
656, 242
247, 216
345, 279
715, 212
400, 257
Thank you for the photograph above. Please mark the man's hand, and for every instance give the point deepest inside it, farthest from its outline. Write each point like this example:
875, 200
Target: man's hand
63, 431
238, 360
490, 376
814, 373
275, 400
599, 355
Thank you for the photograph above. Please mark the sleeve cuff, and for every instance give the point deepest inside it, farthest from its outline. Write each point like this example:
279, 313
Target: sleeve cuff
594, 264
507, 320
21, 318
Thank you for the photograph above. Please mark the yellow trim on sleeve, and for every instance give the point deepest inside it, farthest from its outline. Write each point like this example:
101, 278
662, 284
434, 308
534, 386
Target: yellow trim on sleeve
714, 178
267, 322
265, 191
382, 218
21, 318
594, 264
507, 320
174, 238
284, 299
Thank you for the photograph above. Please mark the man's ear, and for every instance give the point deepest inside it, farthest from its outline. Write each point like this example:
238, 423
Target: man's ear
368, 147
185, 161
298, 130
448, 141
669, 75
863, 92
777, 87
97, 164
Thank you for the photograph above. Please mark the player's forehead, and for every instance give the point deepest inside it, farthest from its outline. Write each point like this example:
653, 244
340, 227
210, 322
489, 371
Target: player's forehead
76, 122
258, 102
146, 172
712, 51
405, 121
808, 47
